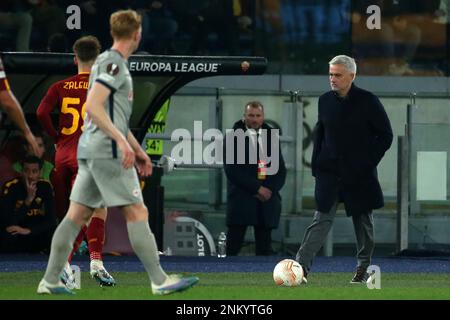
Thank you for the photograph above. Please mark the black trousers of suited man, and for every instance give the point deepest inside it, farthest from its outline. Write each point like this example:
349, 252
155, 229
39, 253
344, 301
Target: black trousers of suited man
236, 237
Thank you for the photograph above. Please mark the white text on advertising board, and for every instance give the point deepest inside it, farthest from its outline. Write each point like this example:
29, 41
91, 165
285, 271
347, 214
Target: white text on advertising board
147, 66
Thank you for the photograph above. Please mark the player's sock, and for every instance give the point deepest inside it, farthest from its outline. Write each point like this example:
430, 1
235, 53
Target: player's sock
77, 242
62, 242
95, 236
144, 245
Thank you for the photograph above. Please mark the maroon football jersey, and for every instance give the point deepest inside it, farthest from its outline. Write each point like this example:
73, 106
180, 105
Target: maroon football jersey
69, 96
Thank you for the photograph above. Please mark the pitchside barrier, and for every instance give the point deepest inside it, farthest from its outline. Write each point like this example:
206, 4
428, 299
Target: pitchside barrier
423, 167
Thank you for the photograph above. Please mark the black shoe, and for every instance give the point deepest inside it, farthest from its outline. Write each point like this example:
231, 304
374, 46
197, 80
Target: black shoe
305, 275
361, 275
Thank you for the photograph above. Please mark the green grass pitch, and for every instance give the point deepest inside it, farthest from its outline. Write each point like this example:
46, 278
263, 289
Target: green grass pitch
240, 286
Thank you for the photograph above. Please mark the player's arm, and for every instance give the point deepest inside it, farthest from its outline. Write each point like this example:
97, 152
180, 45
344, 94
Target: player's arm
44, 111
143, 161
96, 113
12, 107
135, 144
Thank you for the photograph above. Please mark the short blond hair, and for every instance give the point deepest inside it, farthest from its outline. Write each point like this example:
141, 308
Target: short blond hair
124, 23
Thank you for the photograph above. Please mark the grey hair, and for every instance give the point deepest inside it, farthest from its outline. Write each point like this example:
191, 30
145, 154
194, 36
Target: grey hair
347, 61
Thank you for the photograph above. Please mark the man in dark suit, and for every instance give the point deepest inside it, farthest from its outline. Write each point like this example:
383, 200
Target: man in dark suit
352, 134
253, 183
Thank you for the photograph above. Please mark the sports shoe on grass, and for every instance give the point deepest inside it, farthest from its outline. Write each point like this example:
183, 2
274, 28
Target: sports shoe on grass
47, 288
305, 275
174, 283
99, 273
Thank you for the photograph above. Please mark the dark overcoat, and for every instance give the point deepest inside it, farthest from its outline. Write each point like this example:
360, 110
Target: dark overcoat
243, 208
351, 137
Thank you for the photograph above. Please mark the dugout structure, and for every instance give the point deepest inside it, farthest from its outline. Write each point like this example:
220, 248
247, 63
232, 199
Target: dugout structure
155, 79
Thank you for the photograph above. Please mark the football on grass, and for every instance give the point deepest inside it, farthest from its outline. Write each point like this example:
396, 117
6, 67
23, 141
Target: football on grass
288, 273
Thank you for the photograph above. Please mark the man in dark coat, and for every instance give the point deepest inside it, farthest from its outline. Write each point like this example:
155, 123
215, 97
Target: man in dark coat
352, 134
256, 172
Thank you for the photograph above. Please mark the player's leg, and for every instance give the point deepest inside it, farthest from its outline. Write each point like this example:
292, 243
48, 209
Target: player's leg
144, 245
72, 174
126, 194
96, 239
84, 197
62, 178
76, 244
61, 246
96, 234
143, 241
67, 276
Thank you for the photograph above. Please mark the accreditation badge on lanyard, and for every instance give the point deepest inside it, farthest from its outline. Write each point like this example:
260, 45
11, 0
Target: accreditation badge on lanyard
262, 166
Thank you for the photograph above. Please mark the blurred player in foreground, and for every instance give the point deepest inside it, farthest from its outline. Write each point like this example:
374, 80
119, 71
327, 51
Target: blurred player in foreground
107, 155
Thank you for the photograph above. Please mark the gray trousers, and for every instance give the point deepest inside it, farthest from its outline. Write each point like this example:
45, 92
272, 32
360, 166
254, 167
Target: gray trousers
317, 232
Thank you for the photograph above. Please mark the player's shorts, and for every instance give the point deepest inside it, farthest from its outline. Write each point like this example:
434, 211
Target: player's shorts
64, 173
105, 183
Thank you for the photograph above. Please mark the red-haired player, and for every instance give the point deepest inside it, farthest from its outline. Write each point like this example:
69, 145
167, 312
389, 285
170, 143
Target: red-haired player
69, 96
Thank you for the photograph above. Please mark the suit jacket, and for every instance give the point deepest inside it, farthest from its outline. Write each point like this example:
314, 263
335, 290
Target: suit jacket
351, 137
243, 208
